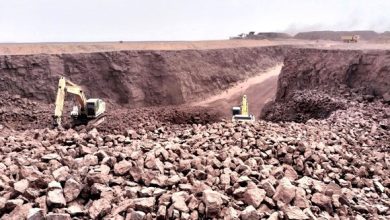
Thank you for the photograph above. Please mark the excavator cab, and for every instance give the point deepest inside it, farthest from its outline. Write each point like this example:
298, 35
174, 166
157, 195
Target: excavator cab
95, 107
241, 114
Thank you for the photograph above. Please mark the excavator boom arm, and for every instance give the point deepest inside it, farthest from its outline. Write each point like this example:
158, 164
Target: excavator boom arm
65, 86
244, 106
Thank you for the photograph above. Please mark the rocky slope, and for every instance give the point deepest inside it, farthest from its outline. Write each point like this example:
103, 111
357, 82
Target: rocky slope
331, 73
332, 69
332, 168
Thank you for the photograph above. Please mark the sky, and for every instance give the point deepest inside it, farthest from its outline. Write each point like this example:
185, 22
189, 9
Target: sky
168, 20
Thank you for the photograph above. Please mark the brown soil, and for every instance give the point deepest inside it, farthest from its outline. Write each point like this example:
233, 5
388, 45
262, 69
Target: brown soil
306, 41
60, 48
259, 90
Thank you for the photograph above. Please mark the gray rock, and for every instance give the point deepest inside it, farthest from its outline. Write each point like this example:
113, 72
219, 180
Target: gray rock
300, 199
72, 189
386, 97
19, 212
54, 185
254, 196
75, 208
35, 214
145, 204
274, 216
285, 192
58, 216
122, 168
55, 198
230, 214
61, 174
162, 213
179, 201
21, 186
378, 186
135, 215
250, 213
212, 201
99, 208
322, 201
269, 188
293, 212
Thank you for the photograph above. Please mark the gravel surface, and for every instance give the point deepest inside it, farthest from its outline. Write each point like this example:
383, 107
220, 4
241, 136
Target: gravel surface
321, 169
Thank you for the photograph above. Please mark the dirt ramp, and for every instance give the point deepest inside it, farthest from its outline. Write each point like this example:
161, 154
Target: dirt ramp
259, 90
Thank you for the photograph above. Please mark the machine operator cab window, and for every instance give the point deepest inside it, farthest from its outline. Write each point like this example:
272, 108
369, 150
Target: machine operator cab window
91, 107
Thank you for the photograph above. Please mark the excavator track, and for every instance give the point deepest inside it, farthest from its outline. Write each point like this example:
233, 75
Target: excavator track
92, 123
96, 121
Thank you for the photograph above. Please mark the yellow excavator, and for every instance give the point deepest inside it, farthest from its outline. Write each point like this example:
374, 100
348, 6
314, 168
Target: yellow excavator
90, 111
241, 114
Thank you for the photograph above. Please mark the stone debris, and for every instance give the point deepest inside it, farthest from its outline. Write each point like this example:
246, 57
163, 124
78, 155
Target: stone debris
35, 214
322, 201
294, 212
145, 204
334, 168
122, 167
179, 201
21, 186
72, 189
212, 201
285, 192
254, 196
249, 213
58, 216
55, 197
99, 208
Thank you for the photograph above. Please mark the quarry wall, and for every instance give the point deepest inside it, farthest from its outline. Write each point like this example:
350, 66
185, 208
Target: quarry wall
153, 78
368, 71
136, 78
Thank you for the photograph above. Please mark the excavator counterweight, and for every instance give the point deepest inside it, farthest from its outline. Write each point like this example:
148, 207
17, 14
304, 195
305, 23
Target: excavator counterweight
87, 110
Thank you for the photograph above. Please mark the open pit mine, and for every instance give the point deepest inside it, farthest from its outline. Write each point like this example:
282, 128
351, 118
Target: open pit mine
168, 149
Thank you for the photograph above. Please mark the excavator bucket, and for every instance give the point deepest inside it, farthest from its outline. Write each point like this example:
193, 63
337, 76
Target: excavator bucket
56, 122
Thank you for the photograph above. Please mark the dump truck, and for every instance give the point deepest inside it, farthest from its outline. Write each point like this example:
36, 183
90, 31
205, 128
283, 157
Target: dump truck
350, 38
87, 112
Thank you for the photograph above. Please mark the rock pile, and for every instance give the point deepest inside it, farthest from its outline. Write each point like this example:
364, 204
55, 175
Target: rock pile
17, 112
303, 105
338, 167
